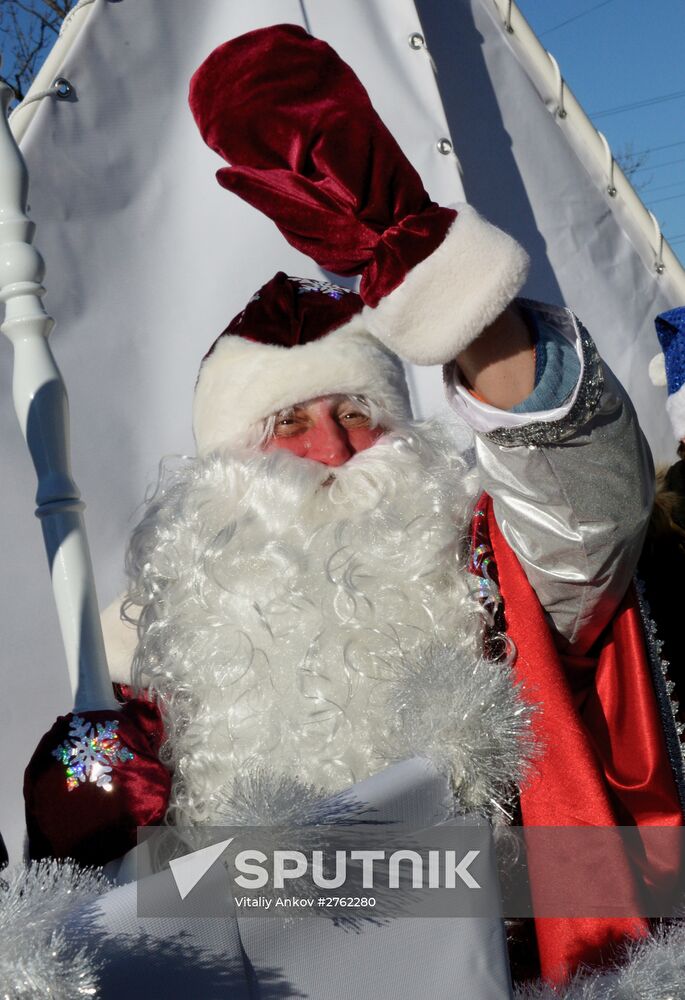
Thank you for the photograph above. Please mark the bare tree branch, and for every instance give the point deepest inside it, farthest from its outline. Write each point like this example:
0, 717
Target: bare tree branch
630, 162
28, 28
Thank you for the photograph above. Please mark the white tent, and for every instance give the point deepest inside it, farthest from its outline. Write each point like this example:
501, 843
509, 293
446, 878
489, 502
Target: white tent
148, 258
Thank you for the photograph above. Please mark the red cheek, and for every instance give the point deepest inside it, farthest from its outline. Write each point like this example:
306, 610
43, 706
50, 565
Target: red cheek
361, 438
296, 444
327, 443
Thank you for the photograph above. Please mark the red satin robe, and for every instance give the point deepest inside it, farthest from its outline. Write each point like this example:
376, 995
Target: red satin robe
603, 762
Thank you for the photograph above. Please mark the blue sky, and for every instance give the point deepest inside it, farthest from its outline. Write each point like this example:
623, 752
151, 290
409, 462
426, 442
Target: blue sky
616, 53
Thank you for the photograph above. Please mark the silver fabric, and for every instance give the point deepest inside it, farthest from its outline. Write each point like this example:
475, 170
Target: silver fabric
259, 957
575, 513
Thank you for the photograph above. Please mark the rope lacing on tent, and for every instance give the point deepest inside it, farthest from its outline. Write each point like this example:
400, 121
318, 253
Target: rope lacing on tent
60, 88
74, 9
559, 89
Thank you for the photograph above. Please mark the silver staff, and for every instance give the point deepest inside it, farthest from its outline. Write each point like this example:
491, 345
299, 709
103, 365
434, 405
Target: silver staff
42, 408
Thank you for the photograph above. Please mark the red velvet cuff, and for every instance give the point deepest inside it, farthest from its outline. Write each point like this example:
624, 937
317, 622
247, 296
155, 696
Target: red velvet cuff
401, 248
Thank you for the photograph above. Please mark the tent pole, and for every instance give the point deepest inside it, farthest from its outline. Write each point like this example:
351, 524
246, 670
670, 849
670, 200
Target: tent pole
544, 72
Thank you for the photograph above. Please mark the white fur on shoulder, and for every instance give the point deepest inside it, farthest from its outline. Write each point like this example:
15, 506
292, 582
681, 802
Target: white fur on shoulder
448, 299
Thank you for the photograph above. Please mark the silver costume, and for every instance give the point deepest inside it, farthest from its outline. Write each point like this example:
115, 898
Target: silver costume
572, 488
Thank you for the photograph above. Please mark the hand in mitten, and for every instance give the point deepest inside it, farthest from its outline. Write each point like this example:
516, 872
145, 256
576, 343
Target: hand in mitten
93, 779
307, 148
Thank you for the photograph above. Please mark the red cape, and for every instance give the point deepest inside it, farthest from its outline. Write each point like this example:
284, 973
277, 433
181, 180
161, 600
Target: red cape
603, 761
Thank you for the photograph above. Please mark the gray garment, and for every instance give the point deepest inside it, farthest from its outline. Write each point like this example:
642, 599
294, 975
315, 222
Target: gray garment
572, 495
179, 954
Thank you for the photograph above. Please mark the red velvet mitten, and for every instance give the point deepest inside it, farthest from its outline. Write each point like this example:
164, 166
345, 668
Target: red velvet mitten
307, 148
93, 779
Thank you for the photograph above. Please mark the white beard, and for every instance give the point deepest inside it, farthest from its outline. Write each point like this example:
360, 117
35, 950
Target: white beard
277, 607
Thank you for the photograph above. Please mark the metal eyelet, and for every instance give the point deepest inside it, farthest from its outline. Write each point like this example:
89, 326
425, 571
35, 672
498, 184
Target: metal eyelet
63, 89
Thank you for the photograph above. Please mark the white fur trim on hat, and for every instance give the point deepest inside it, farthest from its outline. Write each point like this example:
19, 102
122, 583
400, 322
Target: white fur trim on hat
657, 370
448, 299
242, 383
675, 407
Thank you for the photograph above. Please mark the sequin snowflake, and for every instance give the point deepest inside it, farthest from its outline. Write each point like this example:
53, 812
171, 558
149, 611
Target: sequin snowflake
325, 287
91, 751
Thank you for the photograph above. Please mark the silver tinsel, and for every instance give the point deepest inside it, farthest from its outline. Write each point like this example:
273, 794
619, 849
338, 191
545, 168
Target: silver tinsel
279, 809
264, 797
259, 799
467, 717
654, 969
37, 959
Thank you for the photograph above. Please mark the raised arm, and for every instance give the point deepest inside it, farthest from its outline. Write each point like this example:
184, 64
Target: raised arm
499, 365
568, 468
564, 459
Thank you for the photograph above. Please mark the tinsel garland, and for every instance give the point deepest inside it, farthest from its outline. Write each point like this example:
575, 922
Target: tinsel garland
37, 958
264, 797
654, 969
468, 718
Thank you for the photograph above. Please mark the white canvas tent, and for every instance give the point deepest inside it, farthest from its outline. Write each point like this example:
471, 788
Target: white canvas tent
148, 258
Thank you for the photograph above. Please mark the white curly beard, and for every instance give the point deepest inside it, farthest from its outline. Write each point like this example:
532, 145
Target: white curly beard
278, 605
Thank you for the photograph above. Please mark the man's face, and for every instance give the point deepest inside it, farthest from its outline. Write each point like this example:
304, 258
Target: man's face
329, 430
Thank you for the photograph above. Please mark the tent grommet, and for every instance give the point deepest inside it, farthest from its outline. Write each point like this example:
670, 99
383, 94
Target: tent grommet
62, 88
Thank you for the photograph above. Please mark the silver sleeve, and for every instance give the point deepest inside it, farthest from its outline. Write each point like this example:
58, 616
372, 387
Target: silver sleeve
573, 497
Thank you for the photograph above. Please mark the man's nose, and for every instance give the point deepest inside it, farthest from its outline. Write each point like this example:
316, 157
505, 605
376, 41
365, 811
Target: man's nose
329, 444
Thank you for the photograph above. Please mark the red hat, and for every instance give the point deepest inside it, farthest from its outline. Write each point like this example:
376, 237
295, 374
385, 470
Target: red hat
296, 339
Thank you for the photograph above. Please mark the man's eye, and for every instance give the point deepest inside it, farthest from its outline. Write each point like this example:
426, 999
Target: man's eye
354, 418
287, 426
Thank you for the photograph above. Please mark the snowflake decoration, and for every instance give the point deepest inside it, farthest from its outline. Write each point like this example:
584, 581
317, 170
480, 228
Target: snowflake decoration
325, 287
90, 752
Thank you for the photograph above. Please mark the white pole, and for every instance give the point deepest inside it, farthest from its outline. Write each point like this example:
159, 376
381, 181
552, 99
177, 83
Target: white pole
40, 401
